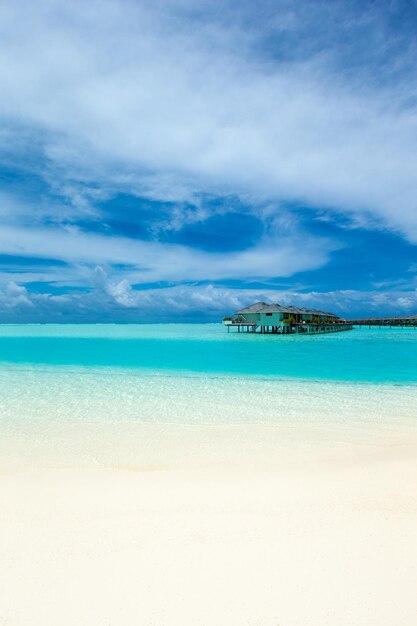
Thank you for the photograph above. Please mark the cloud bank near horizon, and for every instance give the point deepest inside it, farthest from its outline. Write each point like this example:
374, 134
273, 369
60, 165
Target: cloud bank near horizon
206, 148
181, 302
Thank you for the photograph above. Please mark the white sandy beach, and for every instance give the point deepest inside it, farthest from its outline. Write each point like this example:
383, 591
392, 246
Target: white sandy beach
211, 526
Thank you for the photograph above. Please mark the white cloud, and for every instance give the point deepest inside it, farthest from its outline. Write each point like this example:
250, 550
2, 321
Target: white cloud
152, 261
69, 253
15, 296
172, 98
115, 299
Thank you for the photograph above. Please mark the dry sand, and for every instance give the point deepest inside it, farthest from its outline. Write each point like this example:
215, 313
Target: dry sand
210, 526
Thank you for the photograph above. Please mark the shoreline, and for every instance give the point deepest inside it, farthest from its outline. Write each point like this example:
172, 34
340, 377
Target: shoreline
148, 501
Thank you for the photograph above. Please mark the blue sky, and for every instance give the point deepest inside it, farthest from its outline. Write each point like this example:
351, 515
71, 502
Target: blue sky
176, 160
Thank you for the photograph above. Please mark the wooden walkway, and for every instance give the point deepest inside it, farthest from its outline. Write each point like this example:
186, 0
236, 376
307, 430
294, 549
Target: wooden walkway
296, 328
404, 322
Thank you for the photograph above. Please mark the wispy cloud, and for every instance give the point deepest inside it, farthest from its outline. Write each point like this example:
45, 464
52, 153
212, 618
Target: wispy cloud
279, 104
168, 90
152, 261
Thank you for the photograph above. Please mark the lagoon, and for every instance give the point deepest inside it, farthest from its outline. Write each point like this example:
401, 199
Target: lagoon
377, 355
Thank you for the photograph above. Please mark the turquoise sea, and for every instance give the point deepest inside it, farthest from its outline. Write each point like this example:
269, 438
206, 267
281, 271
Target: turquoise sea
87, 379
362, 355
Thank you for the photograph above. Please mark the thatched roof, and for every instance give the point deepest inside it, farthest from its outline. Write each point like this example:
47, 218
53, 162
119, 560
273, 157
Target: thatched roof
263, 307
253, 308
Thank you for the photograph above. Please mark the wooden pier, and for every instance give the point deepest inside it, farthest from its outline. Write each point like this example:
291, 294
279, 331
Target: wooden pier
397, 321
288, 329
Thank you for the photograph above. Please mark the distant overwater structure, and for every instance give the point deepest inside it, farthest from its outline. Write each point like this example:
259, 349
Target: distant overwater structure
398, 321
279, 320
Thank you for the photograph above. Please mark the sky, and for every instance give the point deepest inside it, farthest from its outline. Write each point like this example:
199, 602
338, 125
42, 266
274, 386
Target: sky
176, 160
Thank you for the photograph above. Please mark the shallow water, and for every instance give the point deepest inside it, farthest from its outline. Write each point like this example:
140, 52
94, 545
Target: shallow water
75, 394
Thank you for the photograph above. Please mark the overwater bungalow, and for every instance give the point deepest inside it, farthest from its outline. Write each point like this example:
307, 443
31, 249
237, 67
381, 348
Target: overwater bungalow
278, 319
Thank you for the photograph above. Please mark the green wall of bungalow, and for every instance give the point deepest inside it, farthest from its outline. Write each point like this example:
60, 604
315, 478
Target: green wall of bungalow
252, 317
271, 319
279, 318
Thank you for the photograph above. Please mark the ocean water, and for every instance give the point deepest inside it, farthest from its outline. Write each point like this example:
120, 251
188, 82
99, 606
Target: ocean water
362, 355
63, 386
